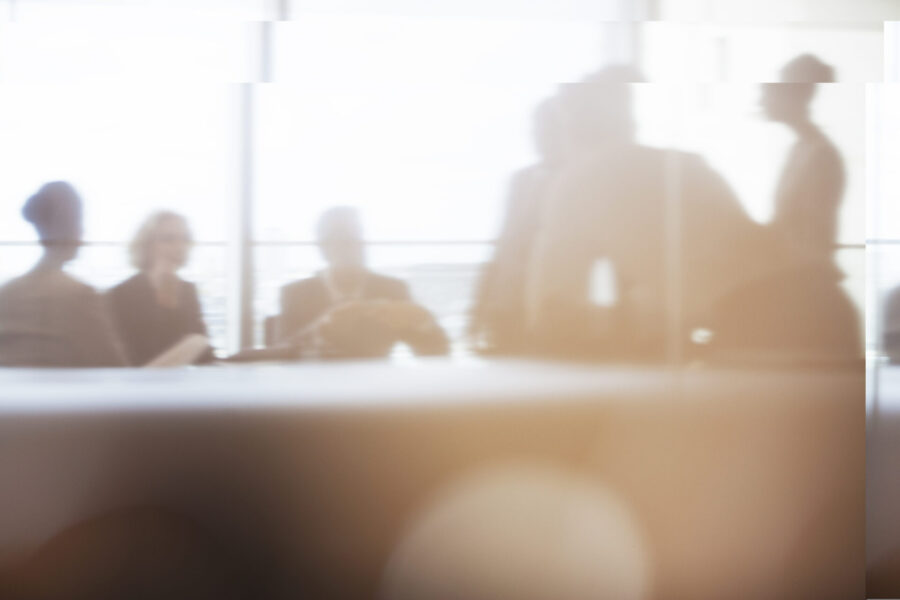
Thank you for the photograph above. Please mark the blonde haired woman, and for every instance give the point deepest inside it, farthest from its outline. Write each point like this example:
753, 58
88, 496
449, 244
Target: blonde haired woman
155, 309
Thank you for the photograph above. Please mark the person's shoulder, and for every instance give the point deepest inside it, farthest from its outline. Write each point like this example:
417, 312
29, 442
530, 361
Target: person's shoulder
188, 286
75, 284
527, 176
56, 285
893, 298
686, 165
127, 286
674, 157
17, 281
14, 286
622, 159
386, 282
67, 286
301, 286
383, 279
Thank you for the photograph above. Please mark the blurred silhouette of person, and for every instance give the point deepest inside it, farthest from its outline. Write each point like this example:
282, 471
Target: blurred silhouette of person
809, 192
686, 255
155, 309
497, 319
617, 199
47, 317
346, 310
814, 314
890, 338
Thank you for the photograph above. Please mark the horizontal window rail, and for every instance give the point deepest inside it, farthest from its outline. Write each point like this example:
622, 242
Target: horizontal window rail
380, 243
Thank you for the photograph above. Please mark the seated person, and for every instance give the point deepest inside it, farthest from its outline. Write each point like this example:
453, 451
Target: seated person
155, 309
346, 310
47, 317
890, 340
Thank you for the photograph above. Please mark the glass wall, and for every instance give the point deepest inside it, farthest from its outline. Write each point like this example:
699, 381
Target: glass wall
396, 115
132, 134
417, 114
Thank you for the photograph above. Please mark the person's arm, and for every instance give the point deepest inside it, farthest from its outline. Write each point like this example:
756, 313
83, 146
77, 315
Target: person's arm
287, 325
196, 326
193, 311
119, 306
398, 290
94, 333
428, 338
566, 243
412, 324
496, 286
719, 235
819, 229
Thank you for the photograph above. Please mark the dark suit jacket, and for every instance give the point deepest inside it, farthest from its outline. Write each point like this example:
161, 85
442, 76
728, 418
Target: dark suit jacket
50, 319
145, 327
304, 301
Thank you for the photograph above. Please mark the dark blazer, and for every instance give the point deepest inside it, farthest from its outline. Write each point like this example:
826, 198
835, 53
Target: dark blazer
304, 301
147, 328
50, 319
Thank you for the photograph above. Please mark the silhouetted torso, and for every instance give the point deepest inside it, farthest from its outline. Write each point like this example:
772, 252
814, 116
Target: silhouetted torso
890, 340
146, 327
636, 206
304, 301
50, 319
499, 312
809, 195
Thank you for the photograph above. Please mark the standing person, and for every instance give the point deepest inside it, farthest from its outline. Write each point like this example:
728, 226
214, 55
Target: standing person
809, 192
155, 309
47, 317
498, 320
686, 256
668, 224
346, 309
806, 310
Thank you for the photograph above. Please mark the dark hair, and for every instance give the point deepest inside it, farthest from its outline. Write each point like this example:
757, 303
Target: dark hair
600, 105
53, 209
807, 68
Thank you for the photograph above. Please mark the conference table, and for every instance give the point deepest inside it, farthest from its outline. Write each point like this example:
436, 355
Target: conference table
733, 482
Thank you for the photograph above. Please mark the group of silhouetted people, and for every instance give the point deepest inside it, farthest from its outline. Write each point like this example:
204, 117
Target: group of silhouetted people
687, 258
685, 255
49, 318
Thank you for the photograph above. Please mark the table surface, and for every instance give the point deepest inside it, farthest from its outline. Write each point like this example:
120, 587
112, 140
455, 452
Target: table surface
324, 464
374, 384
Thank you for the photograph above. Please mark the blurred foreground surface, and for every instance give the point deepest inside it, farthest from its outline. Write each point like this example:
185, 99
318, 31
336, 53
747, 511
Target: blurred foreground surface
883, 480
493, 480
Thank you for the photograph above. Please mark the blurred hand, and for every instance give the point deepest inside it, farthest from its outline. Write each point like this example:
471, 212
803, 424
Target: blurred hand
353, 329
343, 320
402, 317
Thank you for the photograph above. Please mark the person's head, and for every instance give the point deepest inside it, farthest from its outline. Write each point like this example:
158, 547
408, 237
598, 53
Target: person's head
598, 109
162, 241
340, 238
789, 100
55, 212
